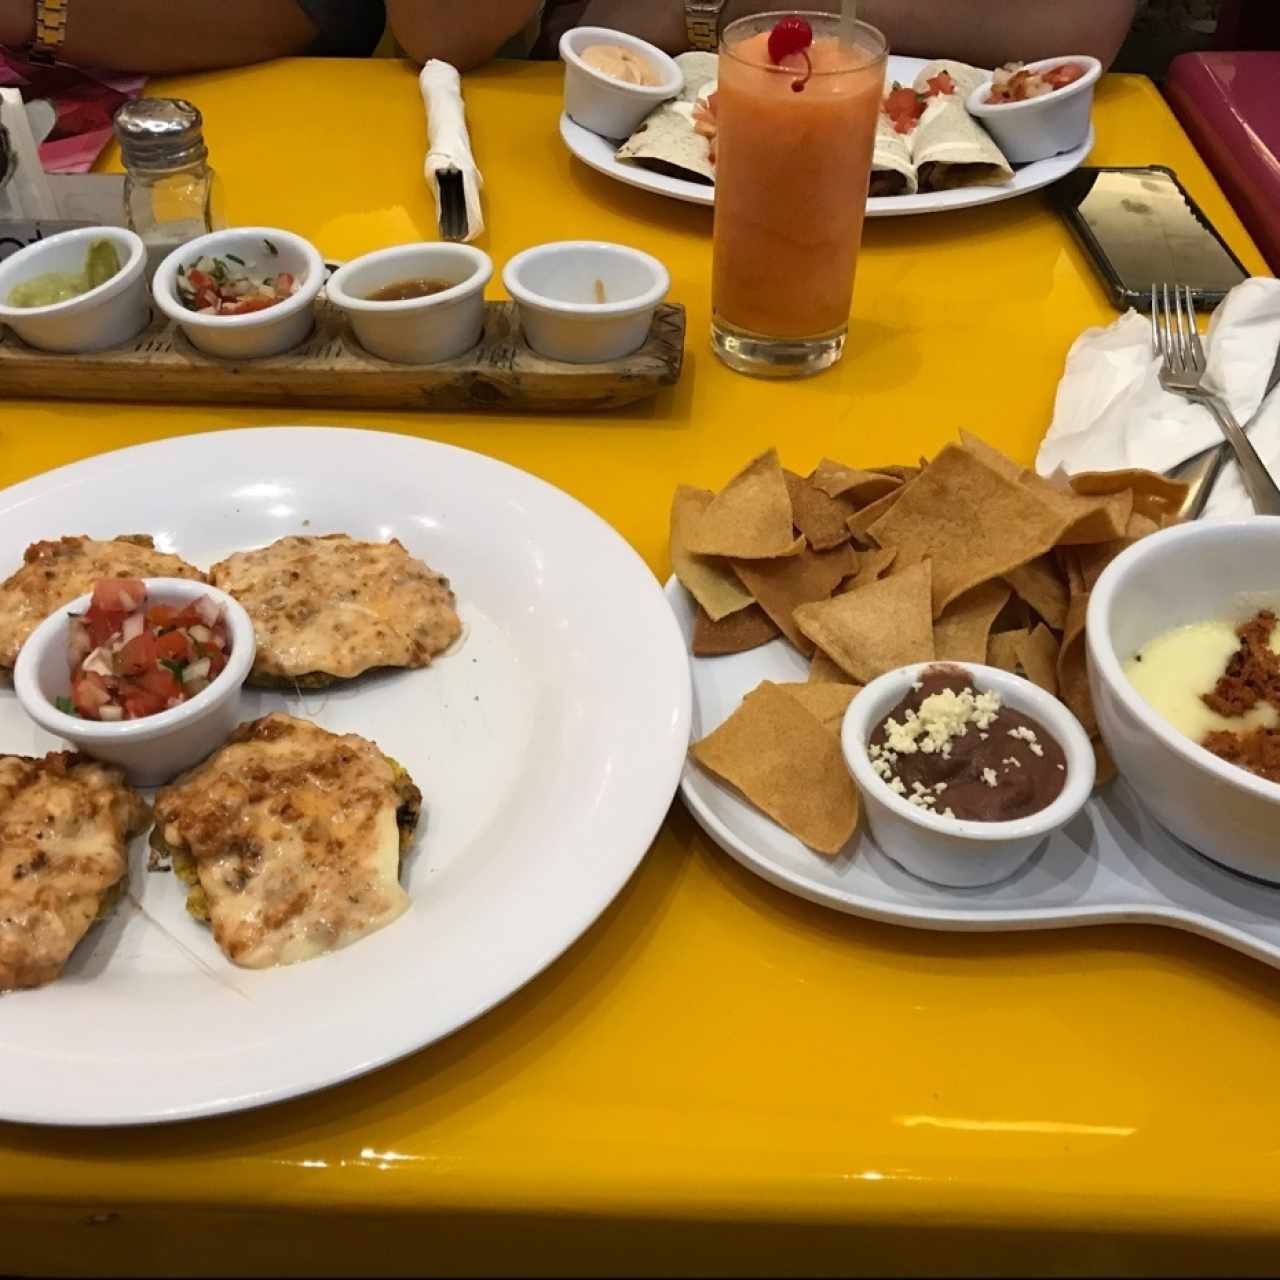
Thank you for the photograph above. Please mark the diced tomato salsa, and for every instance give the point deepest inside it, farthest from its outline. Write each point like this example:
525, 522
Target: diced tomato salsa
904, 106
131, 657
1014, 83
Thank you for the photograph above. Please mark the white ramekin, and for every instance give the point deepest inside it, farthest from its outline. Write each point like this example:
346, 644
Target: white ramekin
1196, 572
107, 316
951, 851
1044, 126
260, 333
554, 286
151, 750
415, 330
602, 104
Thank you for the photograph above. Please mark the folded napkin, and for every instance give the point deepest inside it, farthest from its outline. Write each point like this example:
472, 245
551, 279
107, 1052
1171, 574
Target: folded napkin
1111, 412
448, 145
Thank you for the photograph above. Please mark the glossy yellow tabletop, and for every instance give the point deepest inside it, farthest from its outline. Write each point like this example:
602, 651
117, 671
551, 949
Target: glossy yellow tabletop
718, 1076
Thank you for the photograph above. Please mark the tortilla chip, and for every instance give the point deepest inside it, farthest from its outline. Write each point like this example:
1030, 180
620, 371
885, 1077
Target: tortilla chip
780, 586
862, 520
750, 518
746, 629
1139, 526
710, 582
827, 701
1104, 765
970, 520
1156, 497
1086, 520
781, 758
825, 670
1040, 583
821, 519
872, 565
861, 487
875, 628
992, 456
960, 633
897, 471
1037, 654
1002, 650
1073, 675
1092, 560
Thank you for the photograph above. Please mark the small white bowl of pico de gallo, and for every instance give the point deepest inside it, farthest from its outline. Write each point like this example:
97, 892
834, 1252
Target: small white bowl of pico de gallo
144, 673
244, 293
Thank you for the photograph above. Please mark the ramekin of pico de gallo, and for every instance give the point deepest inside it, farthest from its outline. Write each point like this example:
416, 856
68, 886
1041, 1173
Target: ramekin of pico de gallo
243, 293
1039, 109
142, 673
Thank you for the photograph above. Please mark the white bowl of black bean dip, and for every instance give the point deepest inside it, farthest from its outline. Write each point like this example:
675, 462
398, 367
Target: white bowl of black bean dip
964, 770
414, 303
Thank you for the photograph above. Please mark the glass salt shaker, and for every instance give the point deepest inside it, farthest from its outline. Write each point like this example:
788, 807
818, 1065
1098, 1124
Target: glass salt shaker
171, 195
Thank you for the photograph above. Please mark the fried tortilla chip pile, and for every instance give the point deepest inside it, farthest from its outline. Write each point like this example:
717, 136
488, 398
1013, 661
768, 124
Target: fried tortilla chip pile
967, 558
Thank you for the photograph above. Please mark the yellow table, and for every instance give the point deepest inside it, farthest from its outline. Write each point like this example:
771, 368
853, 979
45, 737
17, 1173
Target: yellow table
718, 1076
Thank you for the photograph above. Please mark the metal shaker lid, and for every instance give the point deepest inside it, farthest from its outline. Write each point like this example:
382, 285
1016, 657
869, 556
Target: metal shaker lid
160, 133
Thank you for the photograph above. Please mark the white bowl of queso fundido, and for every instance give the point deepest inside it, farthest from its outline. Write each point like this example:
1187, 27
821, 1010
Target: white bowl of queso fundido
155, 748
1193, 573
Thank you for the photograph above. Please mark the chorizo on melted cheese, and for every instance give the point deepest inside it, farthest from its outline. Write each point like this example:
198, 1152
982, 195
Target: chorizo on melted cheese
296, 836
65, 826
327, 608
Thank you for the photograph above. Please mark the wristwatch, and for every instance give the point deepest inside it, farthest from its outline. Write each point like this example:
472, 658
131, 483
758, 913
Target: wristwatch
51, 31
702, 23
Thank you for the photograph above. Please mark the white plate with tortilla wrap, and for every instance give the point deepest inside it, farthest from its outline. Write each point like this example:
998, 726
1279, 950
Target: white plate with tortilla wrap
1111, 864
601, 154
544, 775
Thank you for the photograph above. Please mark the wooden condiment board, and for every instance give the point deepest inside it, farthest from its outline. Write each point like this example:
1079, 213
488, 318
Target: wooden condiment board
331, 368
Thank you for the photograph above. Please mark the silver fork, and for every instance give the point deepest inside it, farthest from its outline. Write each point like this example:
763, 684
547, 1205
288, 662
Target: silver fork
1182, 366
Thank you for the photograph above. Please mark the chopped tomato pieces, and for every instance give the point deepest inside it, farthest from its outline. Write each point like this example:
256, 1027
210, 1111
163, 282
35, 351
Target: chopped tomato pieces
941, 83
174, 645
130, 658
122, 595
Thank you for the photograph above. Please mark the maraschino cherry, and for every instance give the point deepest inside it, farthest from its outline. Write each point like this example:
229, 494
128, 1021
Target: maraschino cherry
792, 35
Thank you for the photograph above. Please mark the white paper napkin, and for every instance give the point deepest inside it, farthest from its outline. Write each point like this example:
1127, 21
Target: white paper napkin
1111, 411
448, 144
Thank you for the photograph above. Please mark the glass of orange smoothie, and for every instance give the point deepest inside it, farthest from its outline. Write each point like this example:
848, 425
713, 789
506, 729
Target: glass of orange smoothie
795, 129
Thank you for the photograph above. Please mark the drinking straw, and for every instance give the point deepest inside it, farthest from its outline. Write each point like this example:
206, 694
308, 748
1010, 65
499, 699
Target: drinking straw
848, 16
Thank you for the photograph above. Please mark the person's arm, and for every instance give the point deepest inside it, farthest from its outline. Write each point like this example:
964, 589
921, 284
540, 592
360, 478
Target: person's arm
984, 32
174, 36
464, 33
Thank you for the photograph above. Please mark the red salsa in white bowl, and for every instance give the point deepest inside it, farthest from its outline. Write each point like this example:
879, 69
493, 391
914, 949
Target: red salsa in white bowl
131, 656
142, 673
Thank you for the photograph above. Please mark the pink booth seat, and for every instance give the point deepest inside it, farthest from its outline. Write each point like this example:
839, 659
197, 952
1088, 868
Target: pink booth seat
1229, 104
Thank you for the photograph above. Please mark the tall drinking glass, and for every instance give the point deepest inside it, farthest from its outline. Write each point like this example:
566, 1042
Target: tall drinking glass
793, 158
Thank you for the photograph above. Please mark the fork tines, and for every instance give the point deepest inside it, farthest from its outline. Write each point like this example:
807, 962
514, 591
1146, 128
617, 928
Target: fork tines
1173, 328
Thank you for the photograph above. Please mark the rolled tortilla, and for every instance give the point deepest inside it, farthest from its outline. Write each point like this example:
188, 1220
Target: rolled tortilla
966, 78
892, 173
949, 148
666, 140
699, 68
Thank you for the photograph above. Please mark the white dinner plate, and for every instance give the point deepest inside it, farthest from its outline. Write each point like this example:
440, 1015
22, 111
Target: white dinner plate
599, 154
547, 746
1112, 864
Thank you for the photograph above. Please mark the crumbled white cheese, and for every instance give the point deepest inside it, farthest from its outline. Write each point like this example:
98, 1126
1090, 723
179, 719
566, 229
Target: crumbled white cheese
1036, 748
1013, 760
989, 777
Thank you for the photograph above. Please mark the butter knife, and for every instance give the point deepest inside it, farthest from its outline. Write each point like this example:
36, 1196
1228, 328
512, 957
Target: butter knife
1202, 469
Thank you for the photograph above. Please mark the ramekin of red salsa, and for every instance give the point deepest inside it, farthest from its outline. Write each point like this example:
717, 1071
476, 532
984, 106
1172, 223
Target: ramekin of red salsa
144, 673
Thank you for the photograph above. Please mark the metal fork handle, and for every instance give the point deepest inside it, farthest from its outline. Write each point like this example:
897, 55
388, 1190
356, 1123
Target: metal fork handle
1258, 483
